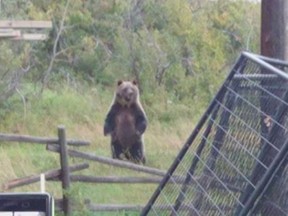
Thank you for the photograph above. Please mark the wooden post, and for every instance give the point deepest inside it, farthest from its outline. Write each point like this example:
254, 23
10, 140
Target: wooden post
65, 172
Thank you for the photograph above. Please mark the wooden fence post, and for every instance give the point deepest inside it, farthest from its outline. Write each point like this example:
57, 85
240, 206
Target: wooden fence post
65, 173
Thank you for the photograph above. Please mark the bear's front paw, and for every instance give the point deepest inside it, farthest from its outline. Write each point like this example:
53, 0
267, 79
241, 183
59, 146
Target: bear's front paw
107, 131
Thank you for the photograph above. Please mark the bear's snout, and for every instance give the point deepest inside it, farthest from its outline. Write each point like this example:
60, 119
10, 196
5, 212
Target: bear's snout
129, 95
128, 98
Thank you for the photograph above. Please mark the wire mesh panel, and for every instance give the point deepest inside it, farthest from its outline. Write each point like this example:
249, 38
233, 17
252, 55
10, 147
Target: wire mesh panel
234, 162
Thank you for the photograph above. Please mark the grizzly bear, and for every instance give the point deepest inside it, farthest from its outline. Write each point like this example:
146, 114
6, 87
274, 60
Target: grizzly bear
126, 122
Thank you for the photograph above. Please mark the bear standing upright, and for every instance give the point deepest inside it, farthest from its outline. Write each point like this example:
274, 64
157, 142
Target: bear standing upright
126, 122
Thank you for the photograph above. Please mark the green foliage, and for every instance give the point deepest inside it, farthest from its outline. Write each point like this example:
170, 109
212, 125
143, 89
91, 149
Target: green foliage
178, 50
181, 45
82, 112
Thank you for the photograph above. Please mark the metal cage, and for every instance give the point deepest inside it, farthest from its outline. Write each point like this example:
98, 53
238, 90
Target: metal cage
235, 160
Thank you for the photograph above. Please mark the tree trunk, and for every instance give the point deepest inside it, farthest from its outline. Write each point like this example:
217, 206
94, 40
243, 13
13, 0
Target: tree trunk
274, 39
274, 29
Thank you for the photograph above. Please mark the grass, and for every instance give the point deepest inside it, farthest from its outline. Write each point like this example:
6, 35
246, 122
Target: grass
83, 112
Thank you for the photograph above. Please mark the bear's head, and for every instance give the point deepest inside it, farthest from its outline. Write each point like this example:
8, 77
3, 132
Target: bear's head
127, 92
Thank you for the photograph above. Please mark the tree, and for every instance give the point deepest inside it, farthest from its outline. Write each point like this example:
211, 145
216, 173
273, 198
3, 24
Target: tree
274, 43
274, 29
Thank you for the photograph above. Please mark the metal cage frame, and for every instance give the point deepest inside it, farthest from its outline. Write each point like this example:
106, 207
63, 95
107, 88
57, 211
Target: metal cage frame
261, 171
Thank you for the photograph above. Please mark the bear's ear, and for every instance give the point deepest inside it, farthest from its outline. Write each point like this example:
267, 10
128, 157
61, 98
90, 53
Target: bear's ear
134, 82
119, 82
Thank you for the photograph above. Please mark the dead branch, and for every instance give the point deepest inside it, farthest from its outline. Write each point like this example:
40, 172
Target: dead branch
55, 53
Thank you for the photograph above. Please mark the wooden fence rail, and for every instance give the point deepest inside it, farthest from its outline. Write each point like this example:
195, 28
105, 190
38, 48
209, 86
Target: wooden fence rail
113, 207
121, 207
63, 174
126, 207
109, 161
123, 180
51, 174
115, 179
39, 140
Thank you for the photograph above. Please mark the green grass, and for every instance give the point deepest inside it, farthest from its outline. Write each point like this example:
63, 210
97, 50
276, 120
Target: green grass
83, 112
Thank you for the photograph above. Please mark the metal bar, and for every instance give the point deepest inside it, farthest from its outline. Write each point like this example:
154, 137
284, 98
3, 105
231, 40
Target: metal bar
266, 65
190, 139
277, 133
272, 60
194, 163
276, 164
217, 143
256, 76
247, 195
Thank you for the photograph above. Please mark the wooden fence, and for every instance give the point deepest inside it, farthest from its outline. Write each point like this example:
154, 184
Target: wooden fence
66, 176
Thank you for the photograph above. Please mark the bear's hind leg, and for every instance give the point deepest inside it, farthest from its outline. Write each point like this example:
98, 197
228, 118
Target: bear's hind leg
137, 152
116, 150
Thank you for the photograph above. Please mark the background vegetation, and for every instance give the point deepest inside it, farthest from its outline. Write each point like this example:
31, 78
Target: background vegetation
178, 50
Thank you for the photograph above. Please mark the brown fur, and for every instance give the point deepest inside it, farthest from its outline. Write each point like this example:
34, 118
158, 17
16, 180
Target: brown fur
125, 130
126, 121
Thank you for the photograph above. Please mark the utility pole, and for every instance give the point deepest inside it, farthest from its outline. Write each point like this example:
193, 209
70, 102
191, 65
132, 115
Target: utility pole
274, 44
274, 29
